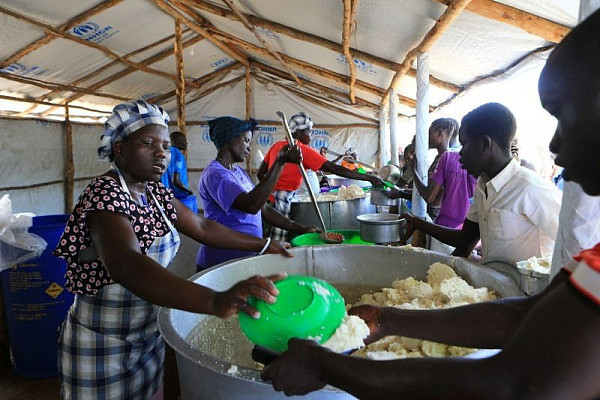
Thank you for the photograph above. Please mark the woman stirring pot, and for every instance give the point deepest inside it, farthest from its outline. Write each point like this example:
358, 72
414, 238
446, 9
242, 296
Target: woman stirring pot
120, 237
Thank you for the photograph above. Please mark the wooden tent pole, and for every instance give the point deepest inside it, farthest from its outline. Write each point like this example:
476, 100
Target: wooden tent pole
176, 14
178, 51
349, 16
69, 167
248, 94
248, 110
531, 23
452, 12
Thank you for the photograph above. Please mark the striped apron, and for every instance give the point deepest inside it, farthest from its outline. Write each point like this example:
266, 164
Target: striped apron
109, 345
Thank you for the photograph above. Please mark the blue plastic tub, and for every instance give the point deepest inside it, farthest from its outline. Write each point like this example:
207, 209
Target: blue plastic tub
36, 302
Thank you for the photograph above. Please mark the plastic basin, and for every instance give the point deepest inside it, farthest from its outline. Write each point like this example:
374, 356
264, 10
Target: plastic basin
313, 239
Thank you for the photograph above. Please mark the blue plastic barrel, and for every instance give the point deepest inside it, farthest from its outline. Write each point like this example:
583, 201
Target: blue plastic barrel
36, 302
189, 201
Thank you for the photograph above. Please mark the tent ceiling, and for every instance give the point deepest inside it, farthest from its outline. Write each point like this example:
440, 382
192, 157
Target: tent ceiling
95, 53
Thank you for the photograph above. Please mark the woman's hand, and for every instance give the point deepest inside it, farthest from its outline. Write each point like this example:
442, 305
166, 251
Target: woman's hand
310, 229
374, 317
235, 299
291, 154
277, 247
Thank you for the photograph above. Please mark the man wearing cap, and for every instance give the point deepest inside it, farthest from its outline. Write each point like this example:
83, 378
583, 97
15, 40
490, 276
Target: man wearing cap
290, 179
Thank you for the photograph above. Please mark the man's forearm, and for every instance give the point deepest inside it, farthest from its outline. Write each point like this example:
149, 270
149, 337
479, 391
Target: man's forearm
450, 378
452, 237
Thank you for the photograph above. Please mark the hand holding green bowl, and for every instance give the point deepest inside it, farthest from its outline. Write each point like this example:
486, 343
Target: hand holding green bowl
306, 308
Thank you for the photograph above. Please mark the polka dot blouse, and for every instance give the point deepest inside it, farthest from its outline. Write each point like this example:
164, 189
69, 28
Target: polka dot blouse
106, 194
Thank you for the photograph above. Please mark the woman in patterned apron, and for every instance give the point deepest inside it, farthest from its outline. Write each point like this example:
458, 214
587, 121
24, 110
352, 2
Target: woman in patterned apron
120, 236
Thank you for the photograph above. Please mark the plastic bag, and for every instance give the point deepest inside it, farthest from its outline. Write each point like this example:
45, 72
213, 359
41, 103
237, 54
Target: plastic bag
16, 243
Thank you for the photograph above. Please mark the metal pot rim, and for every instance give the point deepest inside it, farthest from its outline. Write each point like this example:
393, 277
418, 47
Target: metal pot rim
380, 219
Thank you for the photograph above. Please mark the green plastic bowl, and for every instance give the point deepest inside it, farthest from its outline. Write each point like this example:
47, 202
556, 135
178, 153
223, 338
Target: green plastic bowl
306, 308
314, 239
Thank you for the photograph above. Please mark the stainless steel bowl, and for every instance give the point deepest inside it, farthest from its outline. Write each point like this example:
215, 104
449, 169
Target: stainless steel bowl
352, 269
381, 228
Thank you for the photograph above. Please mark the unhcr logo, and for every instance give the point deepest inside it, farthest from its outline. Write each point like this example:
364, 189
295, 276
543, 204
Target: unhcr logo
319, 141
206, 135
86, 29
92, 32
264, 139
20, 69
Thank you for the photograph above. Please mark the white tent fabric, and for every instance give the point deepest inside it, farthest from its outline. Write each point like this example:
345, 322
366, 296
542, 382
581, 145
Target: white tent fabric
472, 47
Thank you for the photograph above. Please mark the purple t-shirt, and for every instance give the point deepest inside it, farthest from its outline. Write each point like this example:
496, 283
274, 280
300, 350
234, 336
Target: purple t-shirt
218, 188
459, 187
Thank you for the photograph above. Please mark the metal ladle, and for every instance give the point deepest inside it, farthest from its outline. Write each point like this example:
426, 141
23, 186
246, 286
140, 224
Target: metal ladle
313, 199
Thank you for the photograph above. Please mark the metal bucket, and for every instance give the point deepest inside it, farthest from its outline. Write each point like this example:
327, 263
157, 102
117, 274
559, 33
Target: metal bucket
353, 269
381, 228
337, 215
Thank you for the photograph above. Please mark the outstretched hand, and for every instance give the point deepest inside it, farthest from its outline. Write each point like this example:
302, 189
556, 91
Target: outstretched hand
277, 247
294, 372
231, 301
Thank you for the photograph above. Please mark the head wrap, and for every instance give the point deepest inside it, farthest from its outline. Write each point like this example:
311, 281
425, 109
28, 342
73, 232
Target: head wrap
300, 122
223, 129
125, 119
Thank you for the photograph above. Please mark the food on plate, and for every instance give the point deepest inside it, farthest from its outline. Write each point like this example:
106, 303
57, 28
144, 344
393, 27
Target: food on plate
334, 236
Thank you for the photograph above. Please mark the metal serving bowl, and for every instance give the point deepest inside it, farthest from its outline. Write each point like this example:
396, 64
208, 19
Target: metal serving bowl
207, 373
381, 228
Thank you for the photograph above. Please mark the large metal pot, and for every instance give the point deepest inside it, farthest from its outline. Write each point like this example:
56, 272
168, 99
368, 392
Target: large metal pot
353, 269
338, 214
381, 228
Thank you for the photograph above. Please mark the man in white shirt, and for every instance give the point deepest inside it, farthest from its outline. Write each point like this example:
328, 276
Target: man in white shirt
515, 211
579, 226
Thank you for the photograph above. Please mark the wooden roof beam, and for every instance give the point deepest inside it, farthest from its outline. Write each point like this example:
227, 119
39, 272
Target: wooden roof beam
68, 25
47, 103
175, 13
316, 40
350, 7
320, 103
58, 33
262, 40
58, 86
150, 60
200, 81
218, 86
531, 23
299, 65
317, 86
304, 67
452, 12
